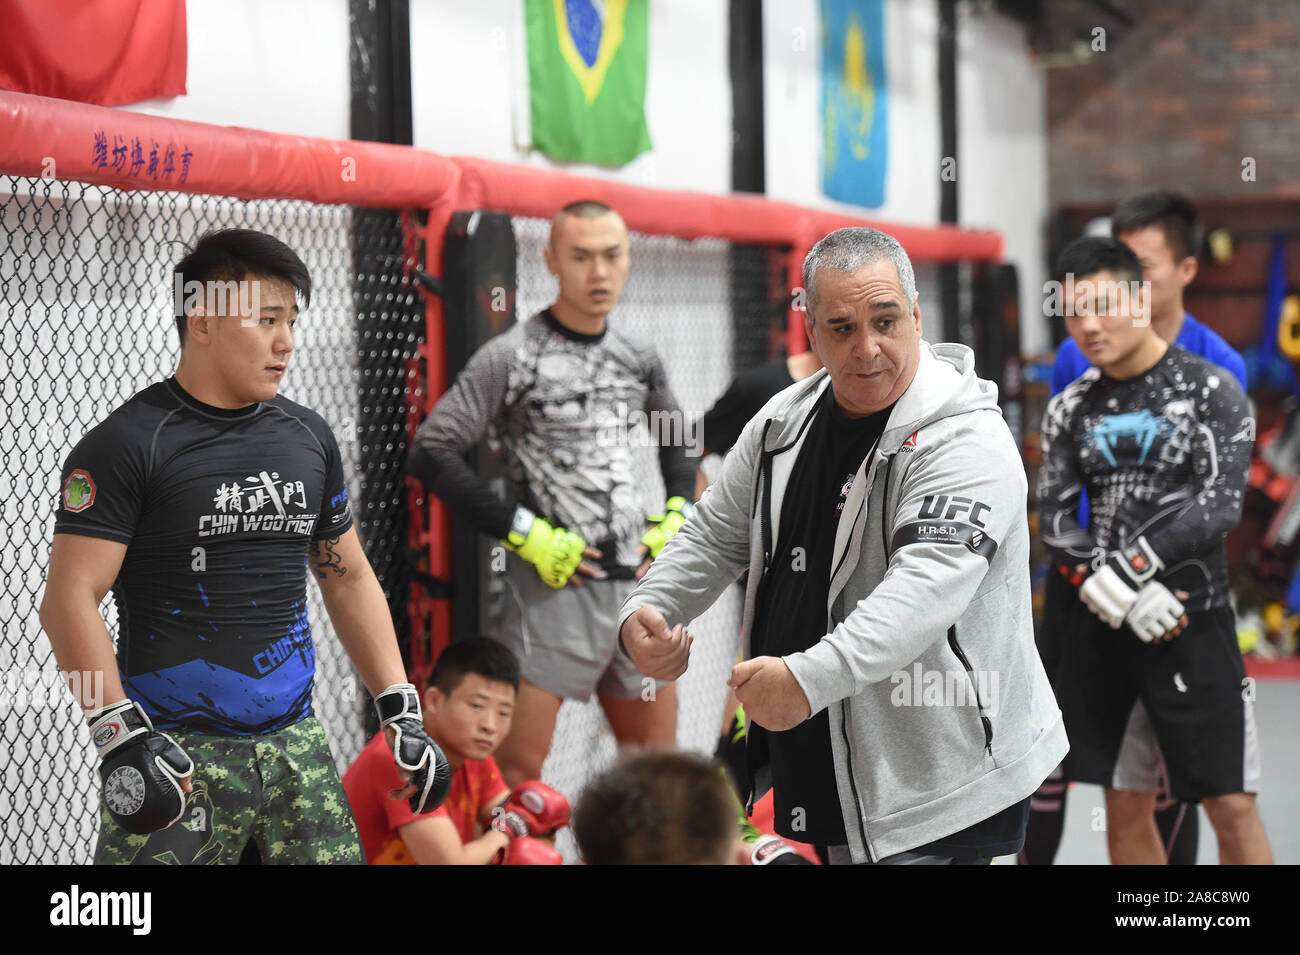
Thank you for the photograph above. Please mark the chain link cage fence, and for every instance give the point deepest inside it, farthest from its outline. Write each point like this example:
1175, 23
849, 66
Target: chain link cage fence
87, 300
711, 309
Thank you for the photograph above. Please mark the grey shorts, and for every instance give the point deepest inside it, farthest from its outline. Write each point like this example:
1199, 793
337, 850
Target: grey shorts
567, 639
1140, 766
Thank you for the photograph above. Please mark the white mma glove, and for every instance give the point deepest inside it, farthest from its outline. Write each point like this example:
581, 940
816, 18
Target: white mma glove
1155, 612
1106, 595
1112, 589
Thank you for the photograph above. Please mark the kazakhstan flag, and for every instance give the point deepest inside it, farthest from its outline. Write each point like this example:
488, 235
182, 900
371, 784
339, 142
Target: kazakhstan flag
586, 79
855, 101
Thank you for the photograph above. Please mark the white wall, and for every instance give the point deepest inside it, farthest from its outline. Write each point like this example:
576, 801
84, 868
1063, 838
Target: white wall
469, 79
283, 66
280, 65
1002, 142
1002, 174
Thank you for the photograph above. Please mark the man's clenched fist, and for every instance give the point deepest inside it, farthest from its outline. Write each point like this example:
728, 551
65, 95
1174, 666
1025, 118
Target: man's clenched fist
656, 650
772, 697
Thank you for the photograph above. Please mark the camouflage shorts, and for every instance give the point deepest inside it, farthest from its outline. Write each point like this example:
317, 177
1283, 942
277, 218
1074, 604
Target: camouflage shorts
280, 790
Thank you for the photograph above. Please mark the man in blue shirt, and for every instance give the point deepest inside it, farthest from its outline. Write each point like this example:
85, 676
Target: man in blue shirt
1164, 231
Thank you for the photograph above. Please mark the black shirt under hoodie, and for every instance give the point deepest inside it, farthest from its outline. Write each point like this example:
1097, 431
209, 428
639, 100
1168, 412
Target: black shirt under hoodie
791, 612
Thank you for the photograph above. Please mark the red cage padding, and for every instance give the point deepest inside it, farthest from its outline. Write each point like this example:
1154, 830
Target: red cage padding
58, 139
253, 164
529, 191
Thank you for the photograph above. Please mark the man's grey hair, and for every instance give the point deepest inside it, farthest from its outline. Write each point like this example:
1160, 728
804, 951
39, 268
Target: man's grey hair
846, 250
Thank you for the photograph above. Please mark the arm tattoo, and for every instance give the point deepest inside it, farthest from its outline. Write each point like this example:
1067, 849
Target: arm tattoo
329, 559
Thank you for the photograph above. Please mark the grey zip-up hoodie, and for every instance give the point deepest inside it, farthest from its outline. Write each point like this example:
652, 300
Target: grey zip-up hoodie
940, 711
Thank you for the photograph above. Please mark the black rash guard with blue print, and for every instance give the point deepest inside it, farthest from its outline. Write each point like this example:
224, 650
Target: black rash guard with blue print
218, 509
1164, 456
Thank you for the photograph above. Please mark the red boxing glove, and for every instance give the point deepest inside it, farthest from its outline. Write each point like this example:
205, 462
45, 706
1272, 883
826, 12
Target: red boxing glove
529, 851
533, 809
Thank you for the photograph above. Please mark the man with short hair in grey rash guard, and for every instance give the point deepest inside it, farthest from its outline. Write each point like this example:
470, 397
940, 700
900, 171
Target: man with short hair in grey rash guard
565, 392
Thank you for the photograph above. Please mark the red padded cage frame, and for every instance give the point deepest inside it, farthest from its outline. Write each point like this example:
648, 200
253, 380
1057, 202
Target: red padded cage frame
51, 138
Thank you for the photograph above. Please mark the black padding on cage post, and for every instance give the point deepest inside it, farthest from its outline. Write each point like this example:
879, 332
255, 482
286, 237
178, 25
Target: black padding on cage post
479, 284
995, 322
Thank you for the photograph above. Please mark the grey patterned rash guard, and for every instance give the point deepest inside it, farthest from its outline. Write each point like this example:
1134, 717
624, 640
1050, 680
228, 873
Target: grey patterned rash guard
569, 410
1163, 456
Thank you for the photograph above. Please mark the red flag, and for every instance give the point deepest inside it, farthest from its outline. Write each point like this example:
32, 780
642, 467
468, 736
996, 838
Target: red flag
108, 52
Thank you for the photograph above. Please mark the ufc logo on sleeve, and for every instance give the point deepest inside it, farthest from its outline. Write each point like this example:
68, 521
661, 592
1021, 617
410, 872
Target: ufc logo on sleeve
944, 507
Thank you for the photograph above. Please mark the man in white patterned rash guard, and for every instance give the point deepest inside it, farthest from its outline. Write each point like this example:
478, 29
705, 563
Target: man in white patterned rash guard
1160, 439
564, 392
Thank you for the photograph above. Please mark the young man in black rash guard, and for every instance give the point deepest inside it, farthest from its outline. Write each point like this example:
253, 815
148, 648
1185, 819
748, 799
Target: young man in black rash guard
1160, 439
201, 502
1164, 231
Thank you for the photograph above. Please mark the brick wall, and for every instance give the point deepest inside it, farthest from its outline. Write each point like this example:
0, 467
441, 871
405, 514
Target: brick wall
1178, 99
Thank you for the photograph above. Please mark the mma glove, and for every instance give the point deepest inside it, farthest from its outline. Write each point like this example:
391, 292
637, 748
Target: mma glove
1111, 591
676, 511
141, 768
773, 850
554, 551
1155, 612
413, 751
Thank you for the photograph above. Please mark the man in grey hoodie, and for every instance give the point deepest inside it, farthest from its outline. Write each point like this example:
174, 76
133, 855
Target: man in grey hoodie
897, 705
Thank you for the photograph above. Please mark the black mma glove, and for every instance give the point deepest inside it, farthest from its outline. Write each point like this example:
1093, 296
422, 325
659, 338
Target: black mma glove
141, 768
413, 751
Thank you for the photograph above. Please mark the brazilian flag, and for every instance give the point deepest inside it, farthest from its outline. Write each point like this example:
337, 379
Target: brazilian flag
586, 79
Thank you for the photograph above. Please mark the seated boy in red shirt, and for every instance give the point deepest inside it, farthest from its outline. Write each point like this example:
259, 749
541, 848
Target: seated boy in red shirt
467, 709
